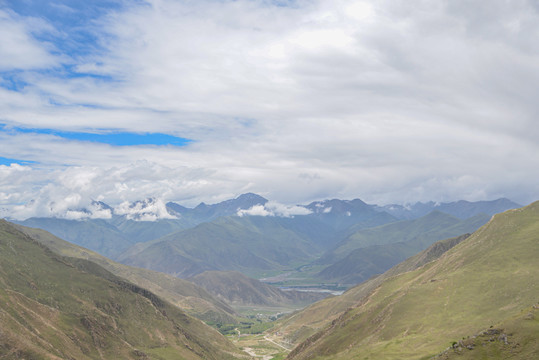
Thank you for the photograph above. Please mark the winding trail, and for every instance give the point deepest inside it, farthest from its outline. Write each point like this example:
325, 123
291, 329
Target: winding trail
275, 343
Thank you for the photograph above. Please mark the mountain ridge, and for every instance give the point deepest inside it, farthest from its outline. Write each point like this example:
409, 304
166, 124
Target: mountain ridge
58, 307
484, 281
184, 294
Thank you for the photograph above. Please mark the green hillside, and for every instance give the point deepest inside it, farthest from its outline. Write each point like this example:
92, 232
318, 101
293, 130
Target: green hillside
488, 281
421, 233
296, 328
184, 294
245, 244
361, 264
54, 307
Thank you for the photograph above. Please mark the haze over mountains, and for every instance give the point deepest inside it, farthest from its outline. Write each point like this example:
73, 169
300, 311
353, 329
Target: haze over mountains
257, 237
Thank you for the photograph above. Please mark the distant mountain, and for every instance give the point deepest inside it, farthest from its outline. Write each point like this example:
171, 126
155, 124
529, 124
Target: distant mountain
477, 300
460, 209
94, 234
66, 308
239, 290
131, 223
109, 237
143, 231
246, 244
364, 263
275, 239
420, 232
341, 214
203, 212
184, 294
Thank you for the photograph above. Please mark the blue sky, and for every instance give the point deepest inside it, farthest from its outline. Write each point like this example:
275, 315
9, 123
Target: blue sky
6, 161
117, 138
75, 23
389, 101
73, 33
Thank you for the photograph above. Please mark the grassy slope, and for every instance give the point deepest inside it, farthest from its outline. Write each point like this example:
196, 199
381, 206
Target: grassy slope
230, 243
53, 307
299, 326
184, 294
487, 280
362, 264
421, 233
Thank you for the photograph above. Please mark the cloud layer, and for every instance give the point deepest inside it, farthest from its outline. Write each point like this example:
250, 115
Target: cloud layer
389, 101
272, 208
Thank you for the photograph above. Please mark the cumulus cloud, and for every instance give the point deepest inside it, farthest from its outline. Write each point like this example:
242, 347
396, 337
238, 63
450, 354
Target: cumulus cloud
94, 211
272, 208
257, 210
144, 210
389, 101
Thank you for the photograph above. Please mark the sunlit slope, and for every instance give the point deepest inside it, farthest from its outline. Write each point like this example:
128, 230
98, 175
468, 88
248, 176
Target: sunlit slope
189, 297
486, 280
297, 327
54, 307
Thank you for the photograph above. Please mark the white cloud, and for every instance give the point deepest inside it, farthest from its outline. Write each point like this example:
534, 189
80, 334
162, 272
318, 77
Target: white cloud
19, 49
145, 210
389, 101
256, 210
272, 208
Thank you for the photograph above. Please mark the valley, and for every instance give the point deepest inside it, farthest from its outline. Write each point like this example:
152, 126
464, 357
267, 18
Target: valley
269, 180
280, 287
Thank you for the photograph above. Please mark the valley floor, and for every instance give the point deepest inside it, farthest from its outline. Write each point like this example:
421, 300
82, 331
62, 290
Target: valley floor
260, 346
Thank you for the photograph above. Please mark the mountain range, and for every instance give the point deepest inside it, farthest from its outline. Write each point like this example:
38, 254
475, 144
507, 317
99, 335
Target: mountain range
466, 290
372, 251
477, 299
247, 234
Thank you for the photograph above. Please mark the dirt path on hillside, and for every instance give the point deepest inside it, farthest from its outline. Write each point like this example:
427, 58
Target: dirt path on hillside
275, 343
251, 352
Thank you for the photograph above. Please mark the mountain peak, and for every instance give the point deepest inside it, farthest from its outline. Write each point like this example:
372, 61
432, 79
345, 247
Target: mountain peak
251, 197
248, 200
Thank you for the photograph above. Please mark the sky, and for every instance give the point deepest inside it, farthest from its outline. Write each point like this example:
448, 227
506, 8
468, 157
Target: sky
390, 101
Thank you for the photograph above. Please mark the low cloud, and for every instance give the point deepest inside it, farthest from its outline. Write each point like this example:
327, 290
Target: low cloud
93, 211
272, 208
144, 210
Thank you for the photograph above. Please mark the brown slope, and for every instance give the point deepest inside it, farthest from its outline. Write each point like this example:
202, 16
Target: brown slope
297, 327
53, 307
240, 290
189, 297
